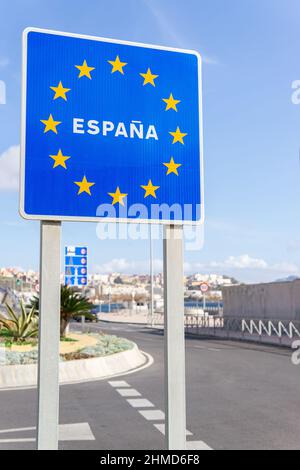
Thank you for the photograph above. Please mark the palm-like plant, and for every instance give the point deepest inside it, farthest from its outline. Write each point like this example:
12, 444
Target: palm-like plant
20, 326
72, 304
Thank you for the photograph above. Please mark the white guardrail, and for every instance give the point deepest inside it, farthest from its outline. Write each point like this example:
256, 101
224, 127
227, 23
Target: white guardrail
270, 331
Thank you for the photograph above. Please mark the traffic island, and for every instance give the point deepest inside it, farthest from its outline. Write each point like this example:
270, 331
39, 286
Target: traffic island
83, 358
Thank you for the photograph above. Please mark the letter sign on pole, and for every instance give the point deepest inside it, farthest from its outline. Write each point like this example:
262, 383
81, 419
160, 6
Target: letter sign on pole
112, 132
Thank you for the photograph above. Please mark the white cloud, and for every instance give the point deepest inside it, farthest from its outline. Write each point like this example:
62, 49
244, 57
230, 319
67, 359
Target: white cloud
233, 264
122, 265
241, 262
9, 169
244, 263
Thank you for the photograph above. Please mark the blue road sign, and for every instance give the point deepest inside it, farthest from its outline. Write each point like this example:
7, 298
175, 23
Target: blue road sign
76, 271
111, 130
76, 251
76, 260
75, 281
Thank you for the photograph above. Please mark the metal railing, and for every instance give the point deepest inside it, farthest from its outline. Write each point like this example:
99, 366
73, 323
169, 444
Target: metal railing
277, 328
270, 331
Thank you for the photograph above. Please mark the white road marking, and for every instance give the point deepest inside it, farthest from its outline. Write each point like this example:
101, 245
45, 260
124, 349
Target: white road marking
7, 431
118, 383
152, 415
162, 428
11, 441
140, 403
197, 445
76, 432
67, 432
128, 392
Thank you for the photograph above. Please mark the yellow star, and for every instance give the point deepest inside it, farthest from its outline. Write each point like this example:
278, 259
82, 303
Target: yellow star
171, 103
149, 77
59, 160
178, 136
85, 70
60, 91
118, 197
117, 65
150, 189
84, 186
50, 124
172, 167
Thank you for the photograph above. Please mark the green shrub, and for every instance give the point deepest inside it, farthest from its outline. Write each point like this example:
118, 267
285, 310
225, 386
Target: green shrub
20, 326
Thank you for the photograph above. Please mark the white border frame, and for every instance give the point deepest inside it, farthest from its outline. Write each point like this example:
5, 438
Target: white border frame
23, 133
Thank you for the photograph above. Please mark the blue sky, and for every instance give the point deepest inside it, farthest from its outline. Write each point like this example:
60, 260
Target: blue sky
251, 128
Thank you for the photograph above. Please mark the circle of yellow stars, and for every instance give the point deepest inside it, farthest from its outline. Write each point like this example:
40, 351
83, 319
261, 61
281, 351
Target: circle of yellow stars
60, 160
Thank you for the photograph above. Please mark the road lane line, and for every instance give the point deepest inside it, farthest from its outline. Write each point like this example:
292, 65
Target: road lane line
7, 431
197, 445
162, 428
128, 392
140, 403
67, 432
76, 432
152, 415
11, 441
118, 383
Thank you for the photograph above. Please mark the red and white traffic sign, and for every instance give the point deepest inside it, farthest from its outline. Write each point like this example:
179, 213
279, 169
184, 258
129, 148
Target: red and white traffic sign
204, 287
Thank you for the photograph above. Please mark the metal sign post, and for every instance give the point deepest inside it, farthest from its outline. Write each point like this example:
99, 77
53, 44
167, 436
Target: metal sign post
175, 401
49, 336
139, 107
151, 279
204, 289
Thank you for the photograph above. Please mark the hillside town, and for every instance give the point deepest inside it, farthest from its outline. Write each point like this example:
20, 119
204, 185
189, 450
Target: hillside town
117, 290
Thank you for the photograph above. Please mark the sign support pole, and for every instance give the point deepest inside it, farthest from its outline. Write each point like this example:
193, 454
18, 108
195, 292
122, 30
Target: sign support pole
151, 279
175, 395
49, 336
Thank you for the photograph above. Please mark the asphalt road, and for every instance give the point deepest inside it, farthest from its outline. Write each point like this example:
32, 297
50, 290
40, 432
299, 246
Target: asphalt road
239, 396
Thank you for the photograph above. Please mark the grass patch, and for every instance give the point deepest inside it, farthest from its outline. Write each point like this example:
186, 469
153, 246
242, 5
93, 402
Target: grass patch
5, 334
9, 343
68, 340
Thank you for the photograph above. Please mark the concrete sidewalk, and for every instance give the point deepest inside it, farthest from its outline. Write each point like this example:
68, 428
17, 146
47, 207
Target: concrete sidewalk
118, 317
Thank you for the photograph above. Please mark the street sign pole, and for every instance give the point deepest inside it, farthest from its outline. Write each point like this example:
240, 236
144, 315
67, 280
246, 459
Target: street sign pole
175, 397
151, 279
49, 336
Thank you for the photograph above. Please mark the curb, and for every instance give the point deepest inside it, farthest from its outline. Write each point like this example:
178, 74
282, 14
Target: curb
79, 371
122, 322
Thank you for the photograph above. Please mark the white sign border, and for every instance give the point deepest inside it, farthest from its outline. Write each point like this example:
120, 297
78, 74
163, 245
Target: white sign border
22, 212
